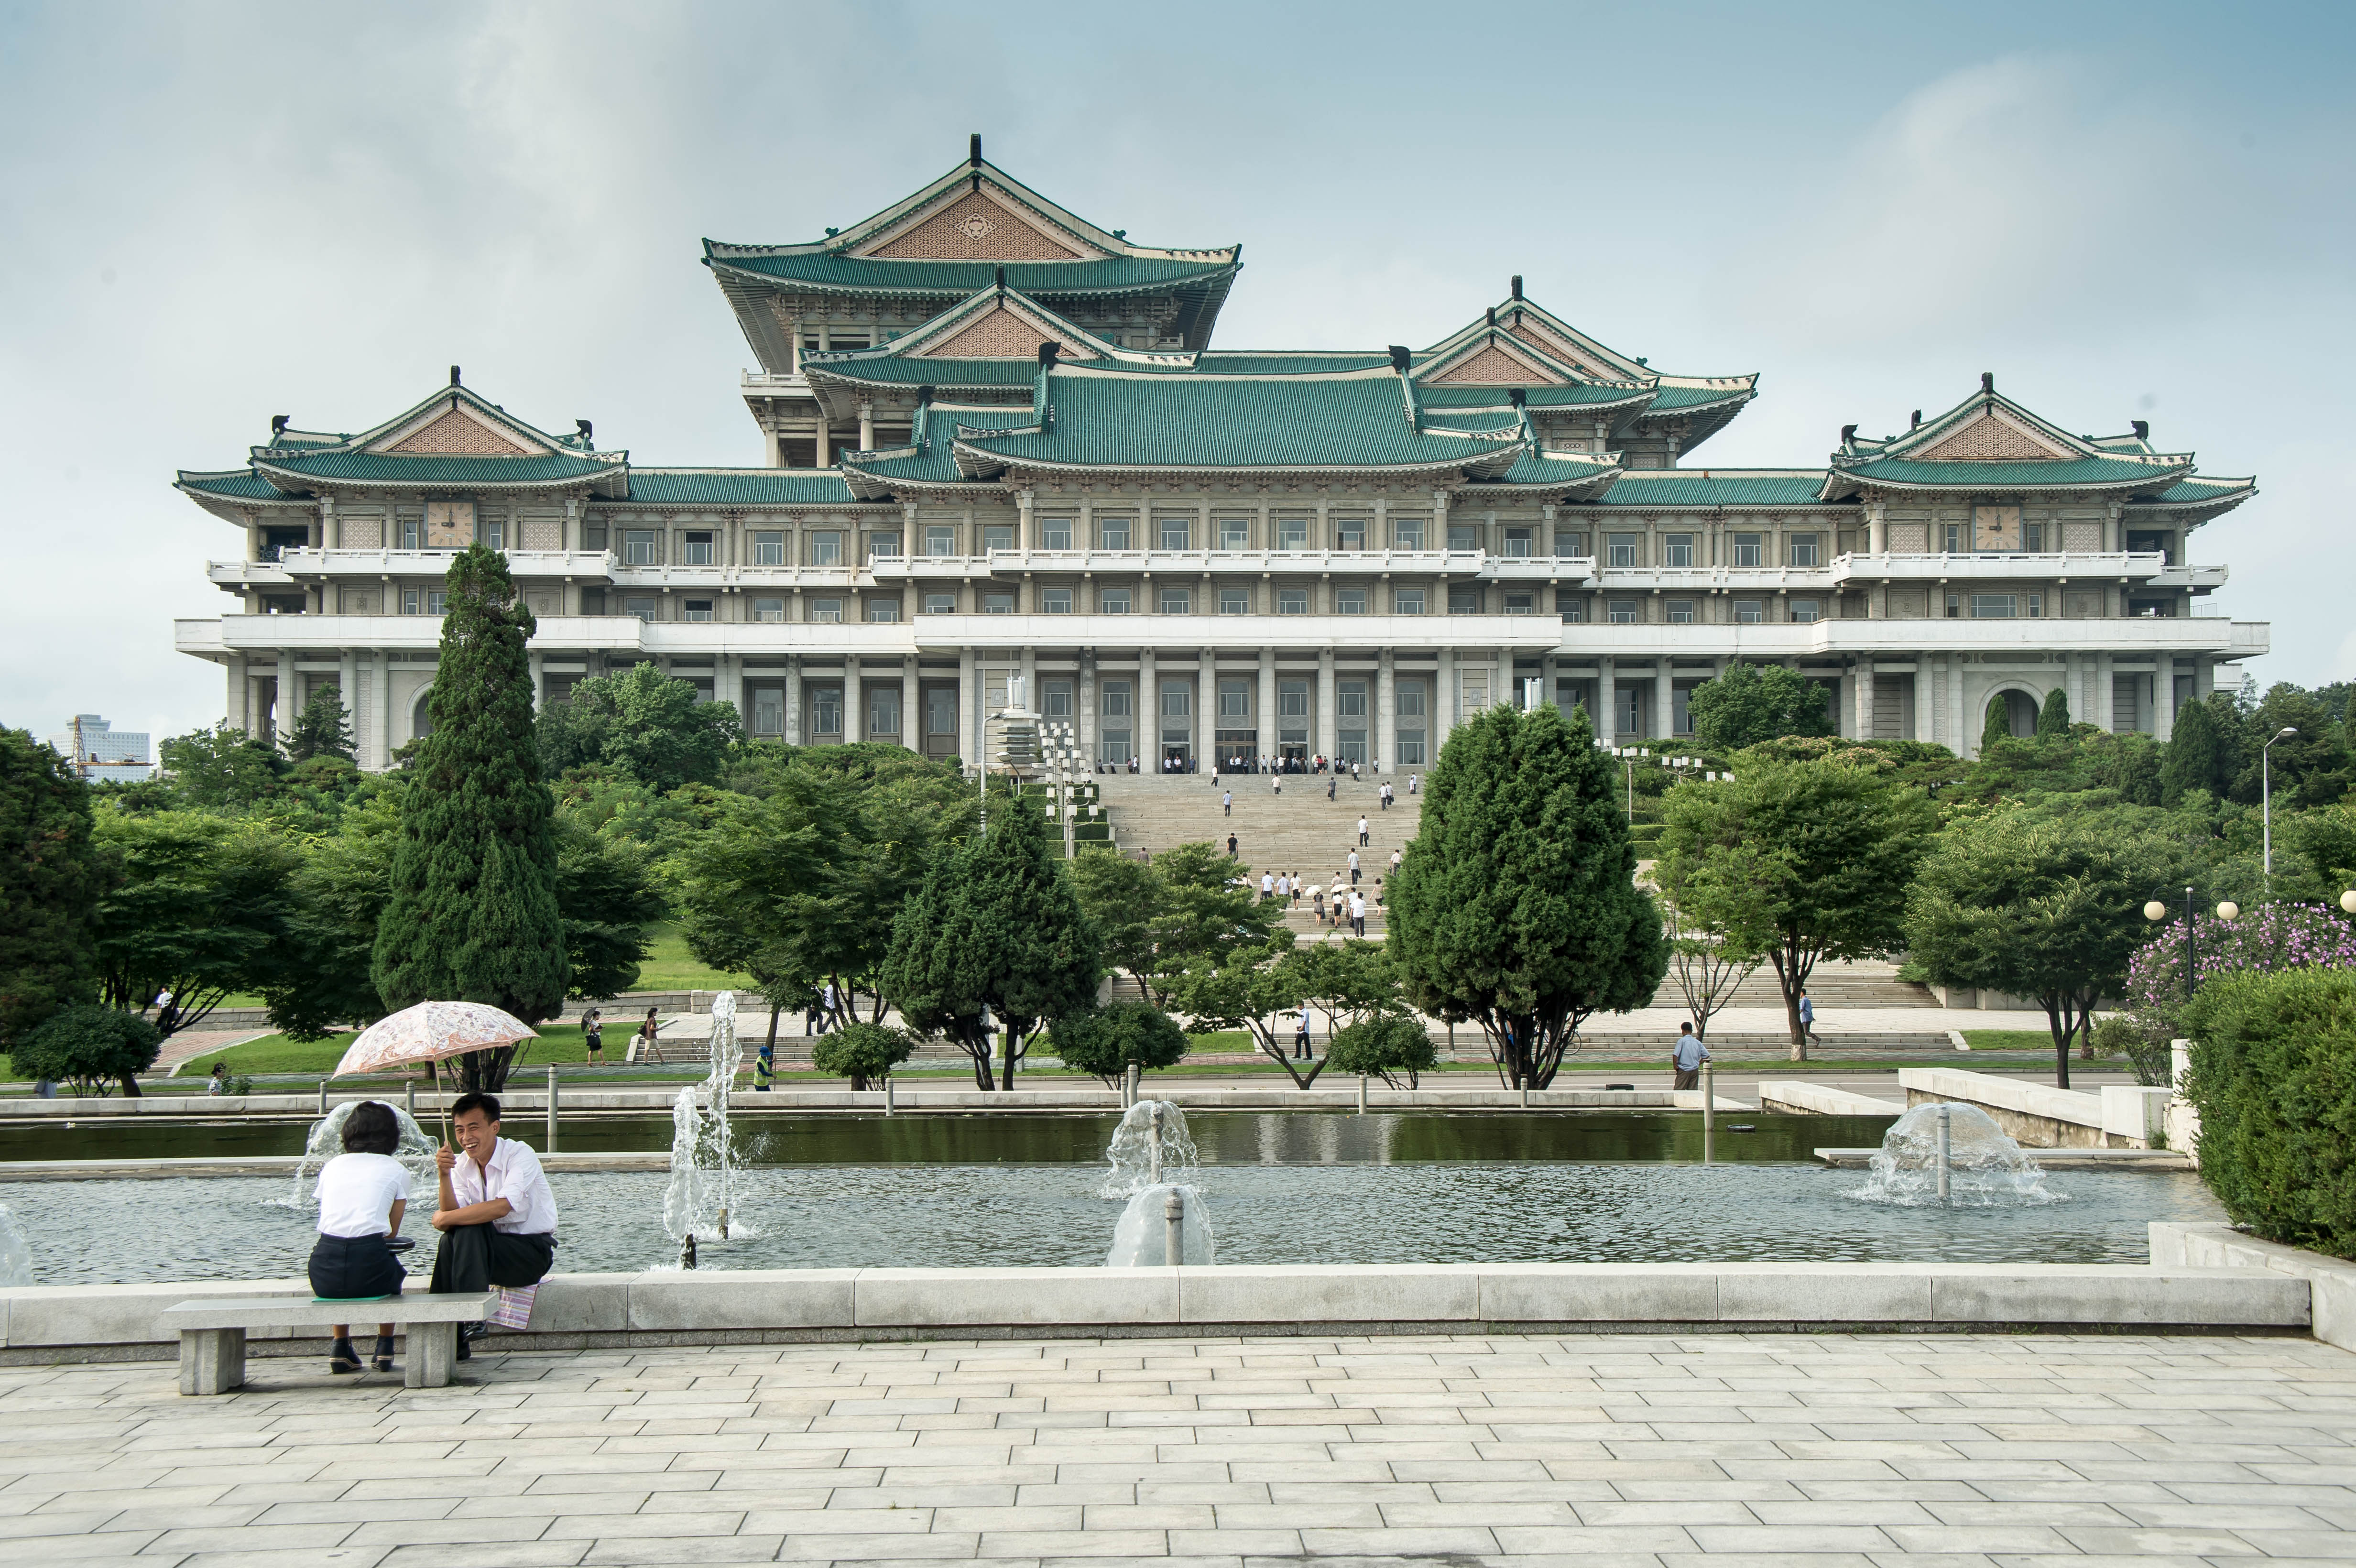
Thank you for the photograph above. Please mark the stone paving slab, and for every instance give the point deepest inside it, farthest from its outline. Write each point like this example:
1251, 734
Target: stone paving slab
1658, 1451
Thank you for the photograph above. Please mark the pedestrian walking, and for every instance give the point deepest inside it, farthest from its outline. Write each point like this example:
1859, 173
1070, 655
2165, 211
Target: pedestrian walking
1414, 782
1226, 803
1267, 886
1231, 846
1296, 890
1331, 784
1301, 1049
592, 1035
1357, 913
1276, 785
1394, 862
1340, 899
1357, 773
1354, 868
1317, 904
1363, 839
1688, 1056
1808, 1017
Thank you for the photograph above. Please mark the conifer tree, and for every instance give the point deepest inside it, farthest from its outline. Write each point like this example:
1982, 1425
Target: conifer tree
2199, 756
49, 883
1997, 724
322, 728
473, 912
1516, 906
2053, 719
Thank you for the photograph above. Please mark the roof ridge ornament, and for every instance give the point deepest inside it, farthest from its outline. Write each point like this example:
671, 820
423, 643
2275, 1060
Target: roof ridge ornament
973, 154
1987, 380
1517, 286
1400, 357
453, 375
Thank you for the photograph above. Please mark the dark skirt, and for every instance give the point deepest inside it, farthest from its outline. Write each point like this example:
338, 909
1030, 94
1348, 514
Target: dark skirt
349, 1268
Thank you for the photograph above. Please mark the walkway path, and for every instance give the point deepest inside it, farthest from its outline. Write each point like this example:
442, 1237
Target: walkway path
1832, 1451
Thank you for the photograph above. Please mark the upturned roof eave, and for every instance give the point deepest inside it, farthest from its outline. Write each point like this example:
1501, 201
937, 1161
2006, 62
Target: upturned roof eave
617, 472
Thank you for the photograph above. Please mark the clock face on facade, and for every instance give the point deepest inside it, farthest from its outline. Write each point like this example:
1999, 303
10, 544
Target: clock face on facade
975, 226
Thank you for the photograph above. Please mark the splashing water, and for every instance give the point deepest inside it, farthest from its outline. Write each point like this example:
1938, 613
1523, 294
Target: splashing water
1986, 1169
1141, 1240
15, 1256
415, 1152
698, 1202
1149, 1148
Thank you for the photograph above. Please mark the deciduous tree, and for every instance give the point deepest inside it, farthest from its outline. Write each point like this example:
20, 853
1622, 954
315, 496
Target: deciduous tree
1750, 703
49, 880
86, 1046
1108, 1040
650, 726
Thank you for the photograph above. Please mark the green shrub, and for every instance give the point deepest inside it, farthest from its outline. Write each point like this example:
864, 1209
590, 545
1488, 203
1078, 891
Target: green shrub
87, 1047
2274, 1076
860, 1051
2146, 1048
1106, 1041
1387, 1046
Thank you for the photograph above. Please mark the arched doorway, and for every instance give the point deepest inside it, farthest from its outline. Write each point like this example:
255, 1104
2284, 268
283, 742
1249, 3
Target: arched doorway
421, 718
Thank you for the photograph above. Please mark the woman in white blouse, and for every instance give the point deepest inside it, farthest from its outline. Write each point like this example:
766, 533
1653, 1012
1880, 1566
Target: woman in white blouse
362, 1193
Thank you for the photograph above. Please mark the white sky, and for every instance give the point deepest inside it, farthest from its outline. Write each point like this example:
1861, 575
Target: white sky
213, 213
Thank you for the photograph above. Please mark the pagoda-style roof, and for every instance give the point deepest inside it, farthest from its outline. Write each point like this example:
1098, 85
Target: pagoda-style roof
1989, 445
949, 240
1734, 489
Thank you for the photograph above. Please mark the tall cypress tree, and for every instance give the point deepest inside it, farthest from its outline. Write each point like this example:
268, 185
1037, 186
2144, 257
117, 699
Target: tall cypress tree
49, 883
473, 913
1997, 724
1516, 906
2053, 719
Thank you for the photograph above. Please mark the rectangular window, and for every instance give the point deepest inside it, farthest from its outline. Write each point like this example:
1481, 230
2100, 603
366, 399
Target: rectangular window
2036, 606
940, 538
1292, 533
1406, 533
1350, 533
1676, 550
1750, 550
1409, 699
883, 546
1350, 701
593, 601
1056, 601
1995, 528
1750, 611
1806, 610
1521, 602
1463, 537
1292, 701
638, 546
495, 532
1623, 613
940, 604
1567, 543
1805, 548
880, 611
998, 536
826, 711
1292, 600
1350, 601
1464, 599
768, 610
1235, 601
411, 536
412, 601
998, 602
1994, 606
769, 547
1054, 533
1116, 695
768, 711
1517, 544
1571, 606
644, 607
1112, 533
1954, 605
1681, 612
1177, 702
1624, 549
1112, 601
1234, 702
1055, 698
1406, 602
825, 611
1951, 537
696, 548
825, 548
2032, 537
1174, 533
449, 524
696, 610
1176, 600
1410, 749
883, 709
593, 534
1235, 533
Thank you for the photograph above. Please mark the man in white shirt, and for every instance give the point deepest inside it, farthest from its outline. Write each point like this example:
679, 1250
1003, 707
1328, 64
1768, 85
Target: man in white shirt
1357, 912
1362, 830
497, 1216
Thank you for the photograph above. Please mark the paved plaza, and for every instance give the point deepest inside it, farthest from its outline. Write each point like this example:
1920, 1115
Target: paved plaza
1598, 1450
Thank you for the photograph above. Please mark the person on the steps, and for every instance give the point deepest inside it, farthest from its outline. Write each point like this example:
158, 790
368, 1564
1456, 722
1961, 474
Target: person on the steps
1808, 1017
1363, 839
497, 1216
362, 1193
1226, 803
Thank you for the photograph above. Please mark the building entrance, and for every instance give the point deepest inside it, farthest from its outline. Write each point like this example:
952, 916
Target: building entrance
1175, 757
1293, 751
1243, 744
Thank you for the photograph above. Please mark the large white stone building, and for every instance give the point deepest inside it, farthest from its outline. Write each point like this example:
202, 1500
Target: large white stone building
999, 442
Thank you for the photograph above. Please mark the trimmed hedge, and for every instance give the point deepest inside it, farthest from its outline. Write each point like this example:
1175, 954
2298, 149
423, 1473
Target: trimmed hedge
2274, 1075
1106, 1040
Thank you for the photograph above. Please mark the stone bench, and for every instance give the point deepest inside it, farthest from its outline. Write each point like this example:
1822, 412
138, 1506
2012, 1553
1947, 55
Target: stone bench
212, 1333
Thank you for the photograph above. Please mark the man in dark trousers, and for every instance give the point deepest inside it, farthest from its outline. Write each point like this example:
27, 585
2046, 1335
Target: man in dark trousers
497, 1216
1231, 846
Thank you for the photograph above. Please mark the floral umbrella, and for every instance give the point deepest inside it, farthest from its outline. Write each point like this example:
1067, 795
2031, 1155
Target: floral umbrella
431, 1032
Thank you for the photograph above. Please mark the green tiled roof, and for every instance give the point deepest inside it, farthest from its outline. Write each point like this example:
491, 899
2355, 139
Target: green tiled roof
1679, 487
892, 370
376, 467
865, 275
736, 487
2194, 489
1557, 468
2059, 474
935, 462
1503, 424
1303, 363
1568, 395
1210, 421
1670, 400
238, 485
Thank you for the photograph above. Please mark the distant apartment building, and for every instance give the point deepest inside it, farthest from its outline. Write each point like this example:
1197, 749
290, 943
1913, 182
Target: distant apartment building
999, 443
101, 753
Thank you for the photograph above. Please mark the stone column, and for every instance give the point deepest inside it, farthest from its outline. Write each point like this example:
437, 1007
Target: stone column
1324, 742
1386, 750
2163, 695
1607, 699
538, 662
1877, 530
1086, 702
2103, 713
1961, 737
1266, 704
348, 687
384, 707
1665, 715
1864, 697
793, 699
911, 729
1925, 714
238, 699
1147, 728
290, 695
971, 718
1443, 704
1550, 674
1206, 710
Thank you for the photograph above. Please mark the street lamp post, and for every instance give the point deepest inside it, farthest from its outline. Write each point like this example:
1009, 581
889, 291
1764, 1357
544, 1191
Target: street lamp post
2157, 911
2267, 800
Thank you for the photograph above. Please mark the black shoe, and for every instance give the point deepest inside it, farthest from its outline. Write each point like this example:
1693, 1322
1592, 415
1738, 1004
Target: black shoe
342, 1357
383, 1352
465, 1344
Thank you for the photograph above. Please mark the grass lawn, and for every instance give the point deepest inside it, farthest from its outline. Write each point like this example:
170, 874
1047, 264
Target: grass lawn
2013, 1039
670, 966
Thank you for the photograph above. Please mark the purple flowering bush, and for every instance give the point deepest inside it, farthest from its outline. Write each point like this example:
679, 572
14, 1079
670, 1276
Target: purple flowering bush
2265, 940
